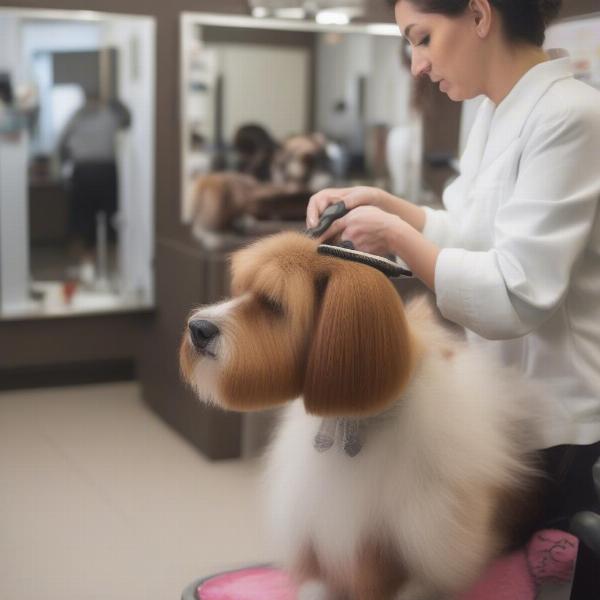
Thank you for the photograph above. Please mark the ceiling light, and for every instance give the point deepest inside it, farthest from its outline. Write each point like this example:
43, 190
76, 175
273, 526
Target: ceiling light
290, 13
384, 29
326, 12
332, 17
260, 12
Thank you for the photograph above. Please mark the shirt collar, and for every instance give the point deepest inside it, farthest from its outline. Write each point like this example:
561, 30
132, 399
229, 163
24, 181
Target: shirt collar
510, 116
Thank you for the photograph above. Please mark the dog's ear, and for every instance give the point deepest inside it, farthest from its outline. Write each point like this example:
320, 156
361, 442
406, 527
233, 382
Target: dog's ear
362, 353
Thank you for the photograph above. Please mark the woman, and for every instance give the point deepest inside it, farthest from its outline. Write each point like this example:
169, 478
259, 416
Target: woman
515, 257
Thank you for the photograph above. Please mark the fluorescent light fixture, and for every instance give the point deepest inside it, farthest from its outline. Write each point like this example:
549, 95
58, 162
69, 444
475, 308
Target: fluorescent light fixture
88, 15
332, 17
260, 12
384, 29
325, 12
290, 13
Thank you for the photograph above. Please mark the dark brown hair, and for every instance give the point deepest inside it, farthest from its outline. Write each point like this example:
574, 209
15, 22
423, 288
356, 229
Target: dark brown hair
523, 20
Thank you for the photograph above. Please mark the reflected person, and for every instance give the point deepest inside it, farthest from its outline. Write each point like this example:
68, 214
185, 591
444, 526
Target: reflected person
88, 143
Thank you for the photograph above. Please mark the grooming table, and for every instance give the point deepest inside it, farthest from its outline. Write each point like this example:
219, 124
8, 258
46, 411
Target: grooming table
541, 570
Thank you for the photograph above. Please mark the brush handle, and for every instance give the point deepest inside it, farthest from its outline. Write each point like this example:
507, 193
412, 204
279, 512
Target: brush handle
329, 215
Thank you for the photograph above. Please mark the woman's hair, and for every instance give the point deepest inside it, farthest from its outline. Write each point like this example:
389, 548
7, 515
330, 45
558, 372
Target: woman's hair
523, 20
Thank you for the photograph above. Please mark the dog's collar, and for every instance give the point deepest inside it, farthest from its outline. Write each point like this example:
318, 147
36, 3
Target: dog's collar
347, 432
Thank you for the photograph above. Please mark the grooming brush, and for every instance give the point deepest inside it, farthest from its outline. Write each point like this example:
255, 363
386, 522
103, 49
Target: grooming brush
346, 251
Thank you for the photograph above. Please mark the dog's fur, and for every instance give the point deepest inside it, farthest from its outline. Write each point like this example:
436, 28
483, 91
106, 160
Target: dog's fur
444, 472
272, 181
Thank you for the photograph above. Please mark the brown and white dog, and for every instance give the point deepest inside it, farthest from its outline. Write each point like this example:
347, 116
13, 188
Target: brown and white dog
402, 465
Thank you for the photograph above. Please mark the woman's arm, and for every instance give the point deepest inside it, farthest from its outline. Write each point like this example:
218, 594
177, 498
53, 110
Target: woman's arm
542, 234
419, 253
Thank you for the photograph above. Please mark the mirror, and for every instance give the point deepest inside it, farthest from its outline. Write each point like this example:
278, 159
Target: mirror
274, 110
77, 116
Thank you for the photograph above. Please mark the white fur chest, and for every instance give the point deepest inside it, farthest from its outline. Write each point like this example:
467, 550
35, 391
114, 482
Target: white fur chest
328, 499
425, 471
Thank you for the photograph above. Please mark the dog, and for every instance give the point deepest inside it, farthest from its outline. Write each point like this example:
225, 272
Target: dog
271, 181
402, 464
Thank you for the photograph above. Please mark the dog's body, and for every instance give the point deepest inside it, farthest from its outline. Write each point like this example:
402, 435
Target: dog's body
438, 471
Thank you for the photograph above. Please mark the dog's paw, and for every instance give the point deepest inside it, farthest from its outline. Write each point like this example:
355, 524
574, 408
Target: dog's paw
314, 590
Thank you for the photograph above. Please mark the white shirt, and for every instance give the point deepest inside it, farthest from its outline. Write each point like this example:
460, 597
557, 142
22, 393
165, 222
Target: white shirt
520, 264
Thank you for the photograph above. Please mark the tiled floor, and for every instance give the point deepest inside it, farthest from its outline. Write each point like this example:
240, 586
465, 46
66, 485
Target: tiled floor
99, 499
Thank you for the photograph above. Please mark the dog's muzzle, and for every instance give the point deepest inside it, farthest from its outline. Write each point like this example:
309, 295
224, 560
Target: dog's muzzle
203, 334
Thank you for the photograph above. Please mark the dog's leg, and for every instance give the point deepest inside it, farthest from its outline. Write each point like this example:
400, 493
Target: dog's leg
378, 574
309, 575
316, 590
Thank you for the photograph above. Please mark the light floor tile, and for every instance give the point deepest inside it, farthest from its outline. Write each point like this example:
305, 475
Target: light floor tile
100, 499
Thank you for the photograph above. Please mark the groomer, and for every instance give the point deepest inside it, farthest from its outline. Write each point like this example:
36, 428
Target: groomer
515, 255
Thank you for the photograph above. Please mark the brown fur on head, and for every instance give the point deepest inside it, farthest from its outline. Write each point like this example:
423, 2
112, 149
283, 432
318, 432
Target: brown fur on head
302, 324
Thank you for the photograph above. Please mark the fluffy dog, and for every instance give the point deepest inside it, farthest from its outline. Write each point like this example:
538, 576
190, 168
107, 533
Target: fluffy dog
403, 465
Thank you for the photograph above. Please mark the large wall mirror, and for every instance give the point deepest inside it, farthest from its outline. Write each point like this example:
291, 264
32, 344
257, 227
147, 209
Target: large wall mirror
273, 110
77, 115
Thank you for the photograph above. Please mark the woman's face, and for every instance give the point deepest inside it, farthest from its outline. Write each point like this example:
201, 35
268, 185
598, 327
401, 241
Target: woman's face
447, 49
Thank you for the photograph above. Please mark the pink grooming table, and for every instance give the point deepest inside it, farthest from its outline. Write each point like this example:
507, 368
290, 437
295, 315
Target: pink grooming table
548, 560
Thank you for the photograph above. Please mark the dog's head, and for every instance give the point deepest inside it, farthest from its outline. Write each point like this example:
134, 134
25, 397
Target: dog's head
302, 162
300, 324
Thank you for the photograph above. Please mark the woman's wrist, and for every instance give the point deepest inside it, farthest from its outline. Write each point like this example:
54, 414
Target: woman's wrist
385, 201
411, 213
419, 253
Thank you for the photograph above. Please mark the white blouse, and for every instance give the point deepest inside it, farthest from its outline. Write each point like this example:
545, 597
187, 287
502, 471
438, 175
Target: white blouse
520, 264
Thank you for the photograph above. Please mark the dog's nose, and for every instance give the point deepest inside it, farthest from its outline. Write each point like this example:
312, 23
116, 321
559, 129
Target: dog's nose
202, 332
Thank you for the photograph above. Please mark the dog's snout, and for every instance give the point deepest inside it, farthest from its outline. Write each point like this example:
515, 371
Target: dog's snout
202, 332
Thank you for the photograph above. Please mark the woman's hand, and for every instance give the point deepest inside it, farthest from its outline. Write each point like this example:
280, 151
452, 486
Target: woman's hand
370, 229
375, 231
352, 197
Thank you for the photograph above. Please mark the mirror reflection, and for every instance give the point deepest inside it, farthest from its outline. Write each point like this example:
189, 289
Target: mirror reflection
273, 111
76, 162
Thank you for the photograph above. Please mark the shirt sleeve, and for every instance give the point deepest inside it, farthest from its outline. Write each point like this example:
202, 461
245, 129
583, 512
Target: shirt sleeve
541, 232
440, 224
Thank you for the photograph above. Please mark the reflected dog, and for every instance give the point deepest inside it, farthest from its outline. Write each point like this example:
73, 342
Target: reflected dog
402, 464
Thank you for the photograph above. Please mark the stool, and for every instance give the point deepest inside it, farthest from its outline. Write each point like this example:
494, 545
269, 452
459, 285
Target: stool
546, 563
261, 582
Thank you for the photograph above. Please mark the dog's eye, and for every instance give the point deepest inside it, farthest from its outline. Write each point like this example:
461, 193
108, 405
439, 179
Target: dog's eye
271, 305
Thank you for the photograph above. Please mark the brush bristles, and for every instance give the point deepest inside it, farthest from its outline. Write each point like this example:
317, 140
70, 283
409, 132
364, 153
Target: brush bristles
386, 266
